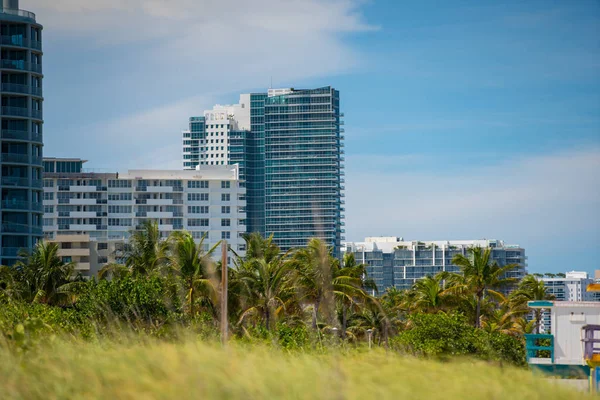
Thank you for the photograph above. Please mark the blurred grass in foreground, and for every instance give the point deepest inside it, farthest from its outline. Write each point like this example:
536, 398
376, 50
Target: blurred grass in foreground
160, 370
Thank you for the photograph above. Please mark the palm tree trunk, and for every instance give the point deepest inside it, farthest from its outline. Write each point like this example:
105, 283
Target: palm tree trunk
192, 298
268, 318
478, 311
315, 312
344, 320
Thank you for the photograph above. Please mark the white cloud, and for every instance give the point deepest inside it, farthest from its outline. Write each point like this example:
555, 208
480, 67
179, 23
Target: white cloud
157, 57
538, 202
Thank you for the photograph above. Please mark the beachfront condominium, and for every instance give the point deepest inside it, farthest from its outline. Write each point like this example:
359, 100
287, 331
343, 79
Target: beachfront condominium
395, 263
21, 133
107, 207
572, 287
288, 144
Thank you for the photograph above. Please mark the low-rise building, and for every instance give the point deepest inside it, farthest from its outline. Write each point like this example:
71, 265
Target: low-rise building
571, 288
80, 250
209, 202
394, 262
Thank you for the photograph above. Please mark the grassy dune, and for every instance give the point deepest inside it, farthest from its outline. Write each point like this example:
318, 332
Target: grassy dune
159, 370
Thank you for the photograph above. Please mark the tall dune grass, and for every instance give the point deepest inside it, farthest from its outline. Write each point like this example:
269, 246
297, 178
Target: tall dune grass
196, 370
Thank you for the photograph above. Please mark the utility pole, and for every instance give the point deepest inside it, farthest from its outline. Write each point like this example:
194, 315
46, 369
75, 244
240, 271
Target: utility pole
224, 270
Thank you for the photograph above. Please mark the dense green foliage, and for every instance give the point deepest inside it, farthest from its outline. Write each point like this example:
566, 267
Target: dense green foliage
299, 300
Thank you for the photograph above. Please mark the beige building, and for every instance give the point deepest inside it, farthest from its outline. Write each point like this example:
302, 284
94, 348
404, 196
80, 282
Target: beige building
79, 249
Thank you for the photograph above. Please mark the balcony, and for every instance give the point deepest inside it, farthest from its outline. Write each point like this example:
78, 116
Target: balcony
10, 251
37, 183
18, 135
37, 114
15, 158
15, 88
20, 65
12, 227
14, 181
36, 137
19, 13
15, 111
15, 205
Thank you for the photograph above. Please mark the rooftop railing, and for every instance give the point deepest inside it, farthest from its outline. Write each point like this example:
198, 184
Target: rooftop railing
18, 13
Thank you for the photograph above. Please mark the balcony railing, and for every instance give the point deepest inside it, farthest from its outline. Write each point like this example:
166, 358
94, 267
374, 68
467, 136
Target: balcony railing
10, 251
15, 205
36, 114
21, 65
12, 227
10, 134
15, 88
17, 111
17, 158
18, 13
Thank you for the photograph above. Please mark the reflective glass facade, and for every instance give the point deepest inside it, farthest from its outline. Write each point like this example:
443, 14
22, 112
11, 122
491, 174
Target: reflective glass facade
21, 207
290, 153
303, 164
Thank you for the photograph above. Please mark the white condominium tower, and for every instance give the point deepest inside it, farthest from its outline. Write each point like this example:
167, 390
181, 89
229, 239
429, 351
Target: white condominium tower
208, 202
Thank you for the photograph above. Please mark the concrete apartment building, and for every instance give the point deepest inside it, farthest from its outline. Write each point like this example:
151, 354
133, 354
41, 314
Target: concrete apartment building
106, 207
289, 146
394, 262
21, 131
571, 288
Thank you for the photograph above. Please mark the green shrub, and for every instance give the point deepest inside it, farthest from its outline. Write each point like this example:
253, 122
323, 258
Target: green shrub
444, 335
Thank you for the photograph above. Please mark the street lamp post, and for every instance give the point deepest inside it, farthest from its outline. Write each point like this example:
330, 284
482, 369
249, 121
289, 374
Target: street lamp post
370, 333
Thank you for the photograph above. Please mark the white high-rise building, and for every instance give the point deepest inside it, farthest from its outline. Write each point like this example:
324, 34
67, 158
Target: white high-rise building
394, 262
207, 141
208, 202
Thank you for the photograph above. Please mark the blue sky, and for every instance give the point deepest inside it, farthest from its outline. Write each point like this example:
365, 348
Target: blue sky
464, 119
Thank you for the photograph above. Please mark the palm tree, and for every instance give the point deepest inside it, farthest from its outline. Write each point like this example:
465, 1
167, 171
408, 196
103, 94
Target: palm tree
429, 295
146, 252
267, 286
349, 283
530, 289
314, 265
113, 271
46, 276
479, 277
189, 261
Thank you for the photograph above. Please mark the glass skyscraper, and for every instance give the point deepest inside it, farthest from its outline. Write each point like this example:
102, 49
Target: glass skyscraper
289, 146
21, 134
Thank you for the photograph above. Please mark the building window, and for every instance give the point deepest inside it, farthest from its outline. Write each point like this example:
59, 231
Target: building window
119, 183
197, 209
102, 246
225, 184
48, 196
225, 222
197, 196
48, 183
197, 221
225, 210
197, 184
225, 235
48, 209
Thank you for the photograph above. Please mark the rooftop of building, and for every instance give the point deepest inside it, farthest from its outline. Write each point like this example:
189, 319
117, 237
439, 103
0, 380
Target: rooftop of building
388, 244
202, 172
10, 9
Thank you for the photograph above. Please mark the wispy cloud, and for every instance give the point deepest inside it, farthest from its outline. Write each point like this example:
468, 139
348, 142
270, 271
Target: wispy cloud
538, 202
